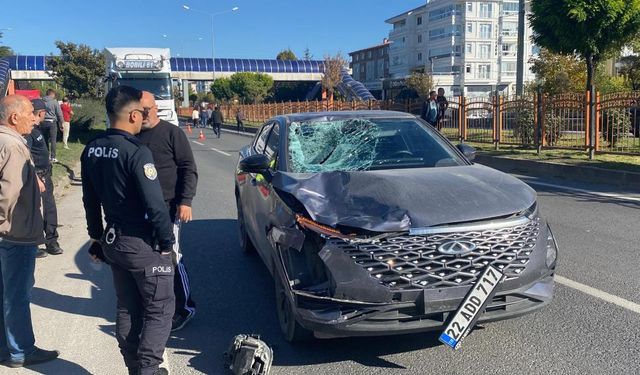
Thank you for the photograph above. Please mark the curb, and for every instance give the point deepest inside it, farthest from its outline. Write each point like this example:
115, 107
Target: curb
563, 171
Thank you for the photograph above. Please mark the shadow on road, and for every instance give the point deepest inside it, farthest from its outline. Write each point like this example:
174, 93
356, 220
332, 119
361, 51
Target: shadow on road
234, 294
101, 303
59, 366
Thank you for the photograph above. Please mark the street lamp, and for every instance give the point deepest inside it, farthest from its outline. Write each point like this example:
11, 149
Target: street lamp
213, 44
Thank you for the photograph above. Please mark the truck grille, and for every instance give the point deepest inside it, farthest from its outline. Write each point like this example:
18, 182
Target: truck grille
410, 262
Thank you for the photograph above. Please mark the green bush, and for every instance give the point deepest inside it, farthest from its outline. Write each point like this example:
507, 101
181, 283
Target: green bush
88, 114
616, 125
524, 127
553, 127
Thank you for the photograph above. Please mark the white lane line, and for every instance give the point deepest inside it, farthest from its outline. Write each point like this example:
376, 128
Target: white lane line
631, 306
606, 195
220, 151
198, 143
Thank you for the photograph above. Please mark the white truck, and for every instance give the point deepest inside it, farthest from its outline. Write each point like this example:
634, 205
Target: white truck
147, 69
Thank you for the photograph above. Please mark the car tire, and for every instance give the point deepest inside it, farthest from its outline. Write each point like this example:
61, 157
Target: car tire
290, 328
245, 242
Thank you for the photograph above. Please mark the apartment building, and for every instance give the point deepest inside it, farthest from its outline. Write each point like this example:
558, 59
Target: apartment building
470, 47
371, 66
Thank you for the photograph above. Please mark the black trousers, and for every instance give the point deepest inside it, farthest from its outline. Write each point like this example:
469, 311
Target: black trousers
49, 209
143, 281
216, 128
185, 305
49, 130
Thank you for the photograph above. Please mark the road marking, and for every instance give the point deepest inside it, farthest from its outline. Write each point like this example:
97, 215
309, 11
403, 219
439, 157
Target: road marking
222, 152
631, 306
198, 143
606, 195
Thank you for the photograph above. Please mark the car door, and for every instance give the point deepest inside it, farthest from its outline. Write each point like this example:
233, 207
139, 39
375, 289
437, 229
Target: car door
254, 192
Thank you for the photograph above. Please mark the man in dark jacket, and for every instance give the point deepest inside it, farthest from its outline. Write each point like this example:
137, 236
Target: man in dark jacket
40, 155
443, 104
178, 178
217, 120
430, 109
20, 234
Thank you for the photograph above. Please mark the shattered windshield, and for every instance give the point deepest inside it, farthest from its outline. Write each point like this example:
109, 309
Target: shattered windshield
365, 144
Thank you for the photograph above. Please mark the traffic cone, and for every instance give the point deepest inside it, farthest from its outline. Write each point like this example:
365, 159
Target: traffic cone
201, 136
189, 128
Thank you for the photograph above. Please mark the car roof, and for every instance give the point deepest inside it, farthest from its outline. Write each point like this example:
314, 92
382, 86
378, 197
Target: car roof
341, 115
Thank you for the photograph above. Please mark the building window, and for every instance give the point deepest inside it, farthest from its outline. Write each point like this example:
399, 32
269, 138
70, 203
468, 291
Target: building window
362, 56
469, 7
508, 69
470, 27
419, 38
484, 71
510, 8
419, 56
485, 51
486, 10
369, 55
510, 29
469, 48
485, 31
381, 52
468, 68
419, 20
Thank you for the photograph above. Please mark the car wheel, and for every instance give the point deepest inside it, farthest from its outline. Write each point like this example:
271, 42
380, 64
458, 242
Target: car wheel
291, 330
245, 242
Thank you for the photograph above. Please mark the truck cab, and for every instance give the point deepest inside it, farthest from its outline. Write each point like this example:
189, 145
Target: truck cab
146, 69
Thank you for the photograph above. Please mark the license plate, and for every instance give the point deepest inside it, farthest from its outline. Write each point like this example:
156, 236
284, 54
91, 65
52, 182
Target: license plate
473, 305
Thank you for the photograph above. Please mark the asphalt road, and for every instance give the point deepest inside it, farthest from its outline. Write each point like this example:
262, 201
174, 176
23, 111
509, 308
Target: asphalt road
578, 333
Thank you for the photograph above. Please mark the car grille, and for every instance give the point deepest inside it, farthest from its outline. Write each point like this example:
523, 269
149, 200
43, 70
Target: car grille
410, 262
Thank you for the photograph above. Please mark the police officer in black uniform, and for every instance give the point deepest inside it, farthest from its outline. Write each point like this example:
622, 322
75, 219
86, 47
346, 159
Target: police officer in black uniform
40, 155
118, 175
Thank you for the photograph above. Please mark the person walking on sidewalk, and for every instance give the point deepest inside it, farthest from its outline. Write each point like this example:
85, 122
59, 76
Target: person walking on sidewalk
204, 116
40, 157
67, 112
52, 120
443, 105
20, 234
430, 110
178, 178
217, 120
119, 178
240, 120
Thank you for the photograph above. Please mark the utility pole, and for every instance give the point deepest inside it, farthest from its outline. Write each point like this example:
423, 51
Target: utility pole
521, 30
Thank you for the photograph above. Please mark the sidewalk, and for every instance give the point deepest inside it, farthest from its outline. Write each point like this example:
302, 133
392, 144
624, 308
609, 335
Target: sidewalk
73, 305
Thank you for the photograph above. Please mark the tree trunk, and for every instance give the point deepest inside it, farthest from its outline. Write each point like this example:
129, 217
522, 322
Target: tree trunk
591, 69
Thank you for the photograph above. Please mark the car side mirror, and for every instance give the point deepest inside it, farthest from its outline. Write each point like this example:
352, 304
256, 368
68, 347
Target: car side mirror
258, 163
468, 151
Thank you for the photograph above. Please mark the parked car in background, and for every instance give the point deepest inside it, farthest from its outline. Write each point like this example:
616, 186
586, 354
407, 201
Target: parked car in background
372, 223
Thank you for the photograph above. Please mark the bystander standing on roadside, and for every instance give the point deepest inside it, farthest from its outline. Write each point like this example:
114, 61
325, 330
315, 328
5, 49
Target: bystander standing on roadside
21, 231
67, 113
119, 178
430, 109
40, 156
217, 120
204, 115
209, 114
240, 119
195, 117
52, 120
178, 178
443, 104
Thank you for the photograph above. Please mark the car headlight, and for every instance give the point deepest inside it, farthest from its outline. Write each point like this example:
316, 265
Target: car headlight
552, 249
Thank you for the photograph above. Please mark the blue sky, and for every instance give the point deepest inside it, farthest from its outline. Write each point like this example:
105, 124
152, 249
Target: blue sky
259, 29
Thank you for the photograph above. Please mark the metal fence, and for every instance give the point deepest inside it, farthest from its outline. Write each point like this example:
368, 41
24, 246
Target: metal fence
546, 122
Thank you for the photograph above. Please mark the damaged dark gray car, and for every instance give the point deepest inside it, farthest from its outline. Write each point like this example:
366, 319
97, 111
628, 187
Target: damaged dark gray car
372, 223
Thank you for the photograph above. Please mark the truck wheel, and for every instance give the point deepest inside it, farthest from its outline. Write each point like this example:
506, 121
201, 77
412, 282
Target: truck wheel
245, 242
291, 330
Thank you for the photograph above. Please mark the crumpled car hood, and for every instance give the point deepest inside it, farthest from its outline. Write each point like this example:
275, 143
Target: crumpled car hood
401, 199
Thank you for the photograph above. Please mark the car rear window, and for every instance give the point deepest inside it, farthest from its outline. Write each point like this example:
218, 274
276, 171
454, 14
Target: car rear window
366, 144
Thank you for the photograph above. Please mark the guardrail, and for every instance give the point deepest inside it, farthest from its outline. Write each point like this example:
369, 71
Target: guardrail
542, 121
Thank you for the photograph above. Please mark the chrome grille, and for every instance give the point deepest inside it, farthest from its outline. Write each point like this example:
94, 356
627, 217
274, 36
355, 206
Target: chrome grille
410, 262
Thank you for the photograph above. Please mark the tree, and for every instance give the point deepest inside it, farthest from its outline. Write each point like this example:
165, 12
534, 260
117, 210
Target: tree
593, 29
5, 50
221, 89
251, 87
286, 54
79, 69
560, 73
630, 69
421, 83
307, 54
333, 67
